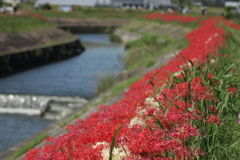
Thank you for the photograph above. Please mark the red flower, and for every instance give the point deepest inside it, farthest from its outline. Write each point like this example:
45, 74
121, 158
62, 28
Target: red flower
232, 90
213, 119
213, 109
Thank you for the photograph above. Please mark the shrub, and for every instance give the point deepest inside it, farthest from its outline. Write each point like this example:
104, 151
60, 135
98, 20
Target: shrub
105, 82
228, 14
46, 6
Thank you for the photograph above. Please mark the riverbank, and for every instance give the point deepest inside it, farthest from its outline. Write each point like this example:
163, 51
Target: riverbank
56, 130
111, 96
89, 25
179, 107
76, 76
21, 51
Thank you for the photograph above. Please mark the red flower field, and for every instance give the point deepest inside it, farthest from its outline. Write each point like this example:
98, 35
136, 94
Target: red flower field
161, 116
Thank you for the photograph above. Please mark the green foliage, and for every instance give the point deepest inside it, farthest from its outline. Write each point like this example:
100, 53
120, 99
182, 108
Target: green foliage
145, 40
157, 39
218, 141
26, 6
141, 51
233, 45
105, 82
150, 63
113, 143
228, 14
124, 85
46, 6
144, 51
115, 38
117, 88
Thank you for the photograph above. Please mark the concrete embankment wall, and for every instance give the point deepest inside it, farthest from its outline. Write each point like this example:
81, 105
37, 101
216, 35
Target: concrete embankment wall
88, 25
20, 51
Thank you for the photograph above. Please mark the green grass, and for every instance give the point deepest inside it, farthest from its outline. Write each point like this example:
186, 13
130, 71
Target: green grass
218, 141
144, 51
29, 6
21, 23
29, 146
87, 12
234, 46
141, 52
124, 85
223, 140
158, 38
73, 117
117, 88
196, 10
145, 40
115, 38
105, 81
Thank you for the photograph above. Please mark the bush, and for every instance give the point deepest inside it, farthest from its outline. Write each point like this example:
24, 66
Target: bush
46, 6
105, 82
228, 14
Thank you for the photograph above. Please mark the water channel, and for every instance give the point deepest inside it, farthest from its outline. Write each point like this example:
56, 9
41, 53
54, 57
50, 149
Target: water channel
76, 76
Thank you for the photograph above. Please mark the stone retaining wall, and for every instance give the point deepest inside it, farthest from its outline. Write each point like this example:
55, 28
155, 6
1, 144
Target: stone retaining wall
88, 25
19, 61
21, 51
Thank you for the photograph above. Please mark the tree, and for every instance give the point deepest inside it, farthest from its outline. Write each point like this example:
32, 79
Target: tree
1, 3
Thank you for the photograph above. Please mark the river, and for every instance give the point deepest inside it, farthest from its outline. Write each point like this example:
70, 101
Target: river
76, 76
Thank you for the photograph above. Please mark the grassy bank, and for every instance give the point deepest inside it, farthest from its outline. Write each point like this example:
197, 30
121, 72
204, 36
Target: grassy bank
94, 13
156, 39
23, 23
85, 12
234, 46
28, 146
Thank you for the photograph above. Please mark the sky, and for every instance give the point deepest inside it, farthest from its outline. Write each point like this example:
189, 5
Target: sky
76, 2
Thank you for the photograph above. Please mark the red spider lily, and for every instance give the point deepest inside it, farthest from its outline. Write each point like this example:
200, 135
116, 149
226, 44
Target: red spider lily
232, 90
36, 15
155, 123
172, 17
213, 119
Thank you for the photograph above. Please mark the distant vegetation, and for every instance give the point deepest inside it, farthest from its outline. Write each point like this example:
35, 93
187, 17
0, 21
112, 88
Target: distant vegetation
30, 18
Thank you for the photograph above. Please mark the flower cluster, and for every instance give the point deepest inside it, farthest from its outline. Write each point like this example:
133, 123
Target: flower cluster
38, 16
158, 115
227, 22
172, 17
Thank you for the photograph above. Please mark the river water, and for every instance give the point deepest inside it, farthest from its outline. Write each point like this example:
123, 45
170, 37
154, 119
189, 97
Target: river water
76, 76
